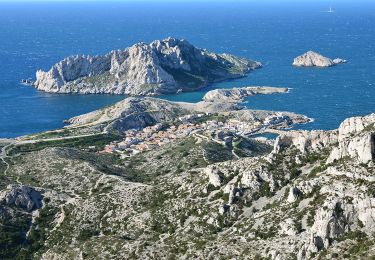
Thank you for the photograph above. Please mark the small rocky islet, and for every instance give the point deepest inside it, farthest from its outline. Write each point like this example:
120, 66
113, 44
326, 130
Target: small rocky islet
148, 178
314, 59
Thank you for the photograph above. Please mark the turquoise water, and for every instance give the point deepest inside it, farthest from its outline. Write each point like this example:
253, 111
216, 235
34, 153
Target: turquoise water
36, 35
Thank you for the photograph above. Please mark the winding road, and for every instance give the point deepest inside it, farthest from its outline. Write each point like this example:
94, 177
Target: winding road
3, 154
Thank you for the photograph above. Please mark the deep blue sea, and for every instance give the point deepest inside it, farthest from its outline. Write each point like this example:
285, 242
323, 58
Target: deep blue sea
37, 35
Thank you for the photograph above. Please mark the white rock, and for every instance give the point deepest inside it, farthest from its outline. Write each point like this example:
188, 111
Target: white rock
213, 176
21, 196
142, 69
287, 227
236, 94
314, 59
293, 195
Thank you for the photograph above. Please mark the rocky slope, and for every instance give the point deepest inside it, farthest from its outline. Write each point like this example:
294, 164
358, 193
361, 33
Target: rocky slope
314, 59
309, 196
139, 112
164, 66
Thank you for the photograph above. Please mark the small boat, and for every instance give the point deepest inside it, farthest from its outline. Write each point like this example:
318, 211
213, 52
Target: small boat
27, 82
330, 11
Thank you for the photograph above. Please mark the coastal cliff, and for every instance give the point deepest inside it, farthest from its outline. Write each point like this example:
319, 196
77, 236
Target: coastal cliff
314, 59
164, 66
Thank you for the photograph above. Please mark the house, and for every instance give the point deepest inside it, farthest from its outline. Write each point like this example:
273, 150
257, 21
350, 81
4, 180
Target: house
109, 148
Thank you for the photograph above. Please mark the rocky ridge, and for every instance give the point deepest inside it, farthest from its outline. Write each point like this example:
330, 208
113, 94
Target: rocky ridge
164, 66
314, 59
238, 94
139, 112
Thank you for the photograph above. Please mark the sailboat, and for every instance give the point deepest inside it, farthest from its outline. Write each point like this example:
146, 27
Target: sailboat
330, 11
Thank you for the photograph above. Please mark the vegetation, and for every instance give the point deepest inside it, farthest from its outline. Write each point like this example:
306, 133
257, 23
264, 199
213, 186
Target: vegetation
215, 152
186, 79
13, 235
99, 141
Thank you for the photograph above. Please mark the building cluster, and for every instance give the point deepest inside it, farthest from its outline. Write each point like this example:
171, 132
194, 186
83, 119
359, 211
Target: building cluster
137, 141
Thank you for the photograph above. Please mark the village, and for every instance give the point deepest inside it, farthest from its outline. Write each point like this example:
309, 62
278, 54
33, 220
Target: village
141, 140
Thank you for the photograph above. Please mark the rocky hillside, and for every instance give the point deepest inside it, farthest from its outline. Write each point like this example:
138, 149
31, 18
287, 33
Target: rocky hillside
139, 112
164, 66
305, 195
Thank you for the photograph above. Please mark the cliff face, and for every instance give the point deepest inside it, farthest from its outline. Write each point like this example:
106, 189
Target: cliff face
165, 66
354, 138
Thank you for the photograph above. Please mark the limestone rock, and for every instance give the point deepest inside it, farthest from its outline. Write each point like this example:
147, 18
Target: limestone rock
287, 227
293, 195
366, 212
329, 222
305, 141
356, 139
166, 66
314, 59
20, 196
213, 176
362, 148
237, 94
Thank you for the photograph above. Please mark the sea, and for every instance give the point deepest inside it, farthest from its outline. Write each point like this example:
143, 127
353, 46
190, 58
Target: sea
35, 35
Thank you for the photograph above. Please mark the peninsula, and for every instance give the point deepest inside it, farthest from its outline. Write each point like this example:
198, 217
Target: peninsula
238, 94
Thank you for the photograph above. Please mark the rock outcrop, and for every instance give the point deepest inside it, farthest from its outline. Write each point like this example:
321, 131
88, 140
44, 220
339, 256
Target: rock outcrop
314, 59
133, 112
305, 141
23, 197
164, 66
355, 138
238, 94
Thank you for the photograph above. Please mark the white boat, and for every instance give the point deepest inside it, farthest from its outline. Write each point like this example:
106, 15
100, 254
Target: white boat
27, 82
330, 10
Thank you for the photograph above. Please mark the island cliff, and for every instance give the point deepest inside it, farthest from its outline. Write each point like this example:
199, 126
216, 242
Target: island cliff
162, 67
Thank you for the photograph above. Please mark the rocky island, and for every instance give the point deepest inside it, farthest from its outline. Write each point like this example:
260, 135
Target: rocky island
314, 59
162, 67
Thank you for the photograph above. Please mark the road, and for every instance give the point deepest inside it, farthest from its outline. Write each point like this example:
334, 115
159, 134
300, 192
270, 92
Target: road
3, 154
